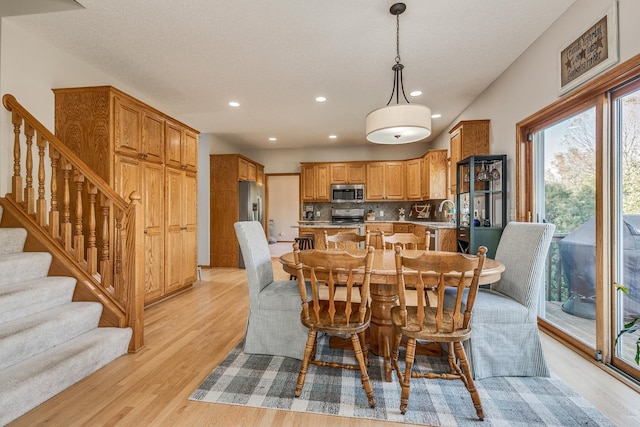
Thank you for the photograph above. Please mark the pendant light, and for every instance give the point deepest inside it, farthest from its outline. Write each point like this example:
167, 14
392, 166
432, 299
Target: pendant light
399, 123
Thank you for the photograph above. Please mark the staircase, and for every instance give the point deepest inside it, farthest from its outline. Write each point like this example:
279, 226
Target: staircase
47, 341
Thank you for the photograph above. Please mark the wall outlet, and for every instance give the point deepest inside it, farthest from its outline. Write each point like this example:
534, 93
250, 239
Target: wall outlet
381, 213
317, 214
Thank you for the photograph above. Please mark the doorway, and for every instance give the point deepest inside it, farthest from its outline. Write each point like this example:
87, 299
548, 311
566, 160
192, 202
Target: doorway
283, 206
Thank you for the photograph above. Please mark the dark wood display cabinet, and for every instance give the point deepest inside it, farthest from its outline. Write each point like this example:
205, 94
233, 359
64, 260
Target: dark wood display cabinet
481, 198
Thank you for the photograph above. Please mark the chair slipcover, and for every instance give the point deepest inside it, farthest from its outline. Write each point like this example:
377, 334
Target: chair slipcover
505, 340
273, 325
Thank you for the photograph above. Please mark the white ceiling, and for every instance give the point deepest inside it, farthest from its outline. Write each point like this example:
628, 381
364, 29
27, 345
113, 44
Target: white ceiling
276, 56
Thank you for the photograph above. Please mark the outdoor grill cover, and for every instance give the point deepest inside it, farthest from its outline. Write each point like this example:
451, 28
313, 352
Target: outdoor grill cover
578, 255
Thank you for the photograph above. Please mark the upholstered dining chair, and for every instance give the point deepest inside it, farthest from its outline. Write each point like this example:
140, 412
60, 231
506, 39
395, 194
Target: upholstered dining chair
273, 325
331, 268
345, 240
506, 340
406, 241
436, 323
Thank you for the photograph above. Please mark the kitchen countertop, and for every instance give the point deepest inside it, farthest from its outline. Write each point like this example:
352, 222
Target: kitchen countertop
329, 224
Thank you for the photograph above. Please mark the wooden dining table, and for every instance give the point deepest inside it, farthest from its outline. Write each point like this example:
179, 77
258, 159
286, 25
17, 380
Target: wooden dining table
384, 294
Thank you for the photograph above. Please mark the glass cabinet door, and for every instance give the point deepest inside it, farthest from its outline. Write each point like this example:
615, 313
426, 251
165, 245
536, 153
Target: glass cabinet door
481, 201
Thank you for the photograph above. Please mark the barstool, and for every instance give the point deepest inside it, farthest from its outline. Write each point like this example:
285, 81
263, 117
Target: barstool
306, 241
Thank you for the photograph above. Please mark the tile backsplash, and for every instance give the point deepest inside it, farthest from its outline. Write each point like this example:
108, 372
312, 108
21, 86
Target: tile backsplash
426, 210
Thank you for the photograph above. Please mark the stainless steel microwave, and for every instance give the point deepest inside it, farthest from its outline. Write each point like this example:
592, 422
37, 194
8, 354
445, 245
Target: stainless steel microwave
347, 193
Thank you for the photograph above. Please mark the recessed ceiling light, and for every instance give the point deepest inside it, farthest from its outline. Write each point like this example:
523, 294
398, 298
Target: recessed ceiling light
273, 138
320, 98
436, 116
416, 93
234, 104
333, 136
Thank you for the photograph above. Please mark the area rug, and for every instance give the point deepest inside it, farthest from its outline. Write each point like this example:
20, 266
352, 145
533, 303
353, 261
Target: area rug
269, 382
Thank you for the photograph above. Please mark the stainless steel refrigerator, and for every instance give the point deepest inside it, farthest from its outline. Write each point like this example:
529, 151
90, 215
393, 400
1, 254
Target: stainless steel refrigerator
251, 206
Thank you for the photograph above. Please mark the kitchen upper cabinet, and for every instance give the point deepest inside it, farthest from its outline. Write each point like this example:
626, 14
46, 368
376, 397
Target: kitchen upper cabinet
348, 173
315, 182
434, 175
467, 138
414, 179
153, 138
385, 181
128, 127
181, 147
248, 170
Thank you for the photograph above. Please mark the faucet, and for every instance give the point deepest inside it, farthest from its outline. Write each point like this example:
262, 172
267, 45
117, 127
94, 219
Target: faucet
452, 211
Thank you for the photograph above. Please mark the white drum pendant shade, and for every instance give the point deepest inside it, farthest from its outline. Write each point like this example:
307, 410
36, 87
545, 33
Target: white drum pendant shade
399, 124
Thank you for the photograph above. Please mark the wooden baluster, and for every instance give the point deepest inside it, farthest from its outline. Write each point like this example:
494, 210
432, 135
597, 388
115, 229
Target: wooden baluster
92, 250
29, 202
16, 180
54, 214
117, 259
41, 204
78, 236
65, 230
106, 271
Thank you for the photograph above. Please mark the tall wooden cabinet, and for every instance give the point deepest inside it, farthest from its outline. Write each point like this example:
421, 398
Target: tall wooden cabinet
226, 170
314, 185
467, 138
135, 147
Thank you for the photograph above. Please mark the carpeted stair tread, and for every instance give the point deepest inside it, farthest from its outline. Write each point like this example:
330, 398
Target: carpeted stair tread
31, 335
22, 299
19, 267
12, 240
27, 384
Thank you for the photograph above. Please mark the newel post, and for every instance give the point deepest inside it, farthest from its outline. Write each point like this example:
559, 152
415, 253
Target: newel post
135, 271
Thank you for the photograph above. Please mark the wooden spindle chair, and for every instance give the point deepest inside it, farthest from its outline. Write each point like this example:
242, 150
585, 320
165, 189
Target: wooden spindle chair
333, 268
451, 325
406, 241
345, 240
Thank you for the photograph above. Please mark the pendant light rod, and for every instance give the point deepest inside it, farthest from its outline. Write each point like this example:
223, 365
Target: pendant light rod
398, 123
397, 9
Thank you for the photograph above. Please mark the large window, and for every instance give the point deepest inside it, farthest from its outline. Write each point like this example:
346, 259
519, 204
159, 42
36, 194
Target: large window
578, 166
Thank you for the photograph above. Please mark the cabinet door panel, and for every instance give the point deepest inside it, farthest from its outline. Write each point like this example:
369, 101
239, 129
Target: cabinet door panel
173, 144
127, 176
153, 184
174, 212
322, 183
190, 228
153, 138
414, 170
394, 181
375, 181
356, 173
190, 151
128, 128
339, 173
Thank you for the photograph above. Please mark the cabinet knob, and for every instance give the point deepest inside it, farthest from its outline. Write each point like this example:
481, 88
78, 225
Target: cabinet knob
183, 167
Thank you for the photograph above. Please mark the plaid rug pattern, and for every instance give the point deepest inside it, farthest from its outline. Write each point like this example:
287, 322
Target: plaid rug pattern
269, 382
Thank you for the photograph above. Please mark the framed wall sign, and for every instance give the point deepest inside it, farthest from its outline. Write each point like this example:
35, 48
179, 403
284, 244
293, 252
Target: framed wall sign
591, 52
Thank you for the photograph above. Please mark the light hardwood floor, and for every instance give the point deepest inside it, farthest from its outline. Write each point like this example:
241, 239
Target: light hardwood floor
187, 336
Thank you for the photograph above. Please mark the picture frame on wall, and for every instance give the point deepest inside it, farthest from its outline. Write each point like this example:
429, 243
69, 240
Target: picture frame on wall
589, 53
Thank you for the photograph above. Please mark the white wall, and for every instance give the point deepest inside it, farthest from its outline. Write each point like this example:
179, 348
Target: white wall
531, 82
29, 69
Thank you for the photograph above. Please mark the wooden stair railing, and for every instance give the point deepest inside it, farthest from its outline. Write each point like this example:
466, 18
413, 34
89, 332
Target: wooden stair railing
101, 234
